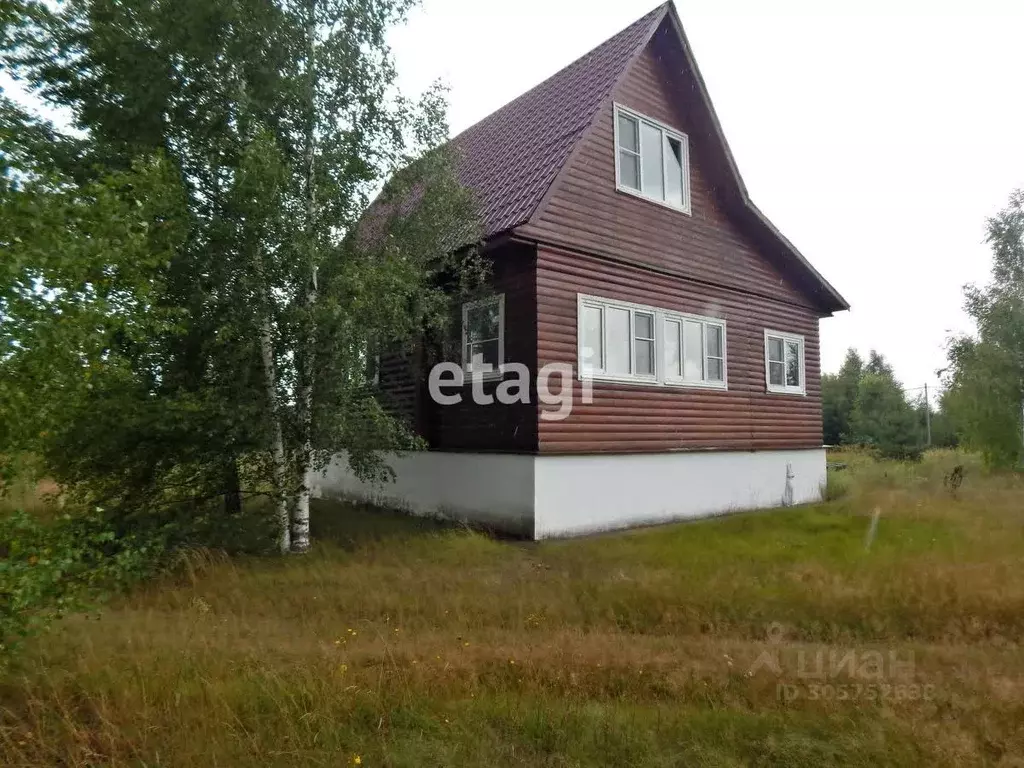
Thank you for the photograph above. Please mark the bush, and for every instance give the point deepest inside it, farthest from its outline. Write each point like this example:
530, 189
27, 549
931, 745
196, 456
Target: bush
900, 451
50, 568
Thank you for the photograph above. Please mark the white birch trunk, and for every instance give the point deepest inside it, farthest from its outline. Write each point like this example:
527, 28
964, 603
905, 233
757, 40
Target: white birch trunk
300, 513
277, 448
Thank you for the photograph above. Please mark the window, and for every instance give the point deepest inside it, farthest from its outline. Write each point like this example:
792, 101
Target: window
483, 335
694, 350
621, 341
651, 160
784, 362
616, 340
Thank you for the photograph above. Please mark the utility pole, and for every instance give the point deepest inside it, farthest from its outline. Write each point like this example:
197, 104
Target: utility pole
927, 415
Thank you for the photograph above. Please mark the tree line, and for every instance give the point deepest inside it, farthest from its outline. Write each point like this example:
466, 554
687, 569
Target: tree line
865, 405
981, 406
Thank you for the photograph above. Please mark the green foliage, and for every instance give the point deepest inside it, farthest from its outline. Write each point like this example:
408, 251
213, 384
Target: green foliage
80, 286
984, 399
882, 418
864, 404
193, 300
985, 378
838, 394
54, 564
50, 568
944, 433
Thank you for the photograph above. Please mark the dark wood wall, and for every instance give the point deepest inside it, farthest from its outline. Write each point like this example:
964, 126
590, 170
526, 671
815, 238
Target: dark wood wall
468, 426
541, 287
632, 417
496, 427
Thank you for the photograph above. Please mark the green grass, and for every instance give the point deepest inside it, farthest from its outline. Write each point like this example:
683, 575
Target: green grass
407, 643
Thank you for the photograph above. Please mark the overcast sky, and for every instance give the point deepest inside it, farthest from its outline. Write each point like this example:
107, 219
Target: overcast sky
878, 136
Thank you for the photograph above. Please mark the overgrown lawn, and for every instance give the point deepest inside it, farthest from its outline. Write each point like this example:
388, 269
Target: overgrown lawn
401, 642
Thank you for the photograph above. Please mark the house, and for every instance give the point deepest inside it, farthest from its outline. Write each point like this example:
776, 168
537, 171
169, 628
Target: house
626, 252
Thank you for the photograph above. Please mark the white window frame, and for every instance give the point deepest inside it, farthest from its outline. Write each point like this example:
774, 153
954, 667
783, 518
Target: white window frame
705, 383
666, 131
785, 389
660, 377
498, 299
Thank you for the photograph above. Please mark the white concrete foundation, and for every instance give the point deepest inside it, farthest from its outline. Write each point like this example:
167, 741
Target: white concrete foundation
490, 489
547, 496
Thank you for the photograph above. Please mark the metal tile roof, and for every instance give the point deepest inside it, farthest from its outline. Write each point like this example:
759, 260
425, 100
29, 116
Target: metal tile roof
510, 158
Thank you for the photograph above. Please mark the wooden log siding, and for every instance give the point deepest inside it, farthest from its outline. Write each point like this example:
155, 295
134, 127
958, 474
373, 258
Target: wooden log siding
496, 427
634, 417
398, 383
585, 211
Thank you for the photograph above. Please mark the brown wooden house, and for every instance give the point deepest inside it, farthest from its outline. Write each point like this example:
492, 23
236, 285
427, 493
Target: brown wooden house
628, 255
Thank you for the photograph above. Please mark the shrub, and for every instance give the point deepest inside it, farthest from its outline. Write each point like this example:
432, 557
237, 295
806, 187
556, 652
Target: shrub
900, 451
50, 568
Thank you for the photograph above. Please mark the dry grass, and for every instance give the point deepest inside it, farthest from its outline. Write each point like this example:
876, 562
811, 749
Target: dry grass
399, 642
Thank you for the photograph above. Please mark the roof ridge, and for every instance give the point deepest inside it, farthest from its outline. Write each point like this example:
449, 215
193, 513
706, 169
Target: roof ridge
578, 60
510, 157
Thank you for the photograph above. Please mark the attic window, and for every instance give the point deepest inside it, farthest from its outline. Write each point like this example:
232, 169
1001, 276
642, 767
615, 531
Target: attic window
651, 160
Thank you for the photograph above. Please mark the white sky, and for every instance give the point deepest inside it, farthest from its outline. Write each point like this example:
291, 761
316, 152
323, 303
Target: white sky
877, 136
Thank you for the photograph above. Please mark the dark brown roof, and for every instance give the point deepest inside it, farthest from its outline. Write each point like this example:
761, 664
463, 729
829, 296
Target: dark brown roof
510, 158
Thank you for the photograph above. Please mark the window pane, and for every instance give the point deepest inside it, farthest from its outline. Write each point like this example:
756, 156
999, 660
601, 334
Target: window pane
483, 356
693, 351
653, 169
644, 357
775, 349
482, 322
617, 354
792, 364
627, 133
629, 170
716, 369
591, 338
672, 358
644, 325
714, 341
776, 373
673, 171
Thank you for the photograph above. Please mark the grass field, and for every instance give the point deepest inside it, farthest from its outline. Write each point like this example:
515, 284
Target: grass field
399, 642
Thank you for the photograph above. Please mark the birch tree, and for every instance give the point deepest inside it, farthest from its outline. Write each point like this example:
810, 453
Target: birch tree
283, 121
985, 377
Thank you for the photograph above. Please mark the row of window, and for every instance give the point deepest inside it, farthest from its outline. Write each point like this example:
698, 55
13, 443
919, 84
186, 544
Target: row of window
634, 343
